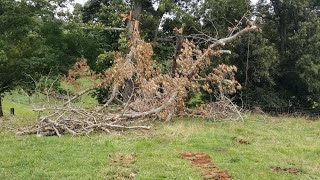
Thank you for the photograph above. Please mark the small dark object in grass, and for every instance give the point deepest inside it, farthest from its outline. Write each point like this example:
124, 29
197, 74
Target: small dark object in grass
241, 141
12, 111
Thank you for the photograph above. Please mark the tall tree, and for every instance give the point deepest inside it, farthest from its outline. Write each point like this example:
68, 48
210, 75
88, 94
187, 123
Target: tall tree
35, 41
282, 22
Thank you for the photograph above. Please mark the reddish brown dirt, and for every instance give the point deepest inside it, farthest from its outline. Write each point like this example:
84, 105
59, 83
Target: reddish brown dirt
209, 170
294, 171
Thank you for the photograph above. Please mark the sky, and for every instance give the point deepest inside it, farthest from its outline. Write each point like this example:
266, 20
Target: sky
83, 1
80, 1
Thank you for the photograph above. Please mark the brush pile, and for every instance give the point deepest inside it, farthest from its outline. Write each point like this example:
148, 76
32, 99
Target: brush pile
141, 91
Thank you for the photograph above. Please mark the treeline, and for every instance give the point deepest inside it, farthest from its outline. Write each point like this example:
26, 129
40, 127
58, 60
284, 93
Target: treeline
278, 67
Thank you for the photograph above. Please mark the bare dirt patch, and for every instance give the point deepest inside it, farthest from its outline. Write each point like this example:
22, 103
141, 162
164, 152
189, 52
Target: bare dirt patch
290, 170
121, 166
241, 141
123, 159
209, 170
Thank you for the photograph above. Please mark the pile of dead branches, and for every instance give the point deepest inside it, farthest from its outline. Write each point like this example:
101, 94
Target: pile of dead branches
70, 119
143, 92
74, 120
223, 109
77, 121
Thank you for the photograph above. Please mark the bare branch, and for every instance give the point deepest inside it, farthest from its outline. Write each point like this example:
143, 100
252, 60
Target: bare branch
220, 42
113, 95
153, 111
105, 28
79, 95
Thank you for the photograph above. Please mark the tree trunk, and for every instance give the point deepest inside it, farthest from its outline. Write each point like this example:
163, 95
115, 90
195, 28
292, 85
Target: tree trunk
159, 15
1, 111
283, 35
281, 12
156, 32
179, 41
135, 15
132, 25
128, 90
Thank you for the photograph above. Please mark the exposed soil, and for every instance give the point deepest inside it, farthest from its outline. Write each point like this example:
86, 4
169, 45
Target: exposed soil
209, 170
241, 141
290, 170
122, 167
124, 160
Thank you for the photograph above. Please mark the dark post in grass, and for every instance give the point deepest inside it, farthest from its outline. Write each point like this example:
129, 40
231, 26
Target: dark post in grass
1, 112
12, 111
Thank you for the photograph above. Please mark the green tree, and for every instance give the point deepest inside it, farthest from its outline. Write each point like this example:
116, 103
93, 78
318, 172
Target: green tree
36, 41
305, 49
288, 26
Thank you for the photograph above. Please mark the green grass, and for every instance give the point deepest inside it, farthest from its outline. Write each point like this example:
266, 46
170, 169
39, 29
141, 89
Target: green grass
86, 100
282, 142
24, 104
274, 142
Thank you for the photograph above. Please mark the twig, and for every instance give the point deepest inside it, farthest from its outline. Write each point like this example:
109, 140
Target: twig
78, 95
153, 111
56, 130
113, 95
220, 42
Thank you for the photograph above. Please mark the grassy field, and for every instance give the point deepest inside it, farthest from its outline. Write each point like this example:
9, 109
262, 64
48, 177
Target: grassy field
274, 142
248, 150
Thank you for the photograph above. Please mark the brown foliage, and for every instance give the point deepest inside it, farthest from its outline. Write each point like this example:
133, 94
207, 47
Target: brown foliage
153, 88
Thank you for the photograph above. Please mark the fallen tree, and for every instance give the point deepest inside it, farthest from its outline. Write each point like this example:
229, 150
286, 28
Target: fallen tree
154, 95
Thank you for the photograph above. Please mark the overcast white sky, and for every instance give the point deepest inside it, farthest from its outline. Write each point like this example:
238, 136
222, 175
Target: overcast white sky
80, 1
83, 1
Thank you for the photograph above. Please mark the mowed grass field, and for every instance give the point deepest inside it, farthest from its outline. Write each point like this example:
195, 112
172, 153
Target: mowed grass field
255, 148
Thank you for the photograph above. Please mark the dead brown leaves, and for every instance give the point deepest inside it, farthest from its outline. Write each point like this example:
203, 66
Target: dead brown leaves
79, 69
152, 88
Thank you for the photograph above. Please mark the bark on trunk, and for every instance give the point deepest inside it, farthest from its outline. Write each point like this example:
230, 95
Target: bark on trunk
128, 90
179, 41
1, 111
156, 30
135, 15
281, 12
132, 25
